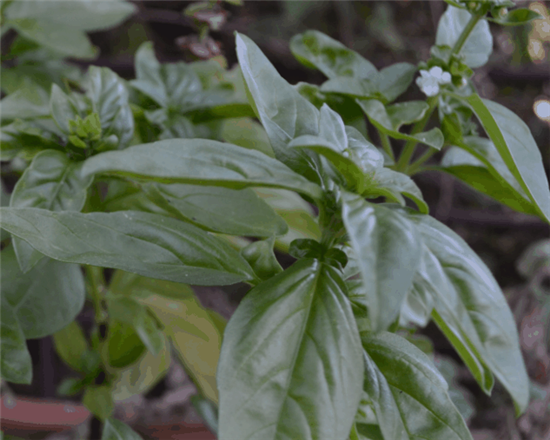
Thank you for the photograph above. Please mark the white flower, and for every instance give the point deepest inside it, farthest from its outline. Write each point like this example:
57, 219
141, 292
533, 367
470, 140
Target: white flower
429, 81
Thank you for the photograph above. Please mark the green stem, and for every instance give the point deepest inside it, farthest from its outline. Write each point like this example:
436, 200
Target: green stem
466, 32
408, 150
96, 283
416, 164
386, 144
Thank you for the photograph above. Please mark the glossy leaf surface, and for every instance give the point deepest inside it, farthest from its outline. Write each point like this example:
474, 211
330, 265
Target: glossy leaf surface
198, 161
291, 360
223, 210
516, 145
409, 395
45, 299
384, 244
148, 244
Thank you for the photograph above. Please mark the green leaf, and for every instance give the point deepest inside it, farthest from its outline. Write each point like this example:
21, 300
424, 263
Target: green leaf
392, 81
63, 40
379, 117
28, 102
392, 184
208, 412
317, 50
129, 311
109, 98
471, 310
142, 375
517, 148
223, 210
148, 73
70, 344
124, 346
261, 258
200, 161
409, 395
194, 336
44, 300
80, 14
477, 174
281, 372
246, 133
53, 182
98, 401
478, 46
286, 114
383, 243
148, 244
131, 284
63, 109
517, 17
116, 430
15, 359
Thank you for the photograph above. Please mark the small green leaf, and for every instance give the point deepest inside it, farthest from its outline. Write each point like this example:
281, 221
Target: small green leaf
202, 162
63, 110
98, 401
148, 244
478, 46
517, 148
383, 243
15, 359
392, 81
222, 210
124, 345
70, 344
409, 395
379, 117
517, 17
116, 430
109, 99
261, 258
283, 357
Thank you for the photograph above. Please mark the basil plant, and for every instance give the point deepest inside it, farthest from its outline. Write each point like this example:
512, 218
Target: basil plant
169, 180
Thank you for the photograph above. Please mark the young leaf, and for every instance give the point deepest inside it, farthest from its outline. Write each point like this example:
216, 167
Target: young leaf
98, 401
471, 310
129, 311
148, 244
383, 244
478, 46
109, 99
148, 73
518, 149
45, 299
409, 395
62, 109
281, 371
286, 114
116, 430
394, 80
477, 174
202, 162
123, 346
70, 344
194, 336
517, 17
379, 117
15, 359
222, 210
53, 182
261, 258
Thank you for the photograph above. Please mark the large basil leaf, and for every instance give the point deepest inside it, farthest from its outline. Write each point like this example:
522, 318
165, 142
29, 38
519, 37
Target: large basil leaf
478, 45
291, 361
471, 310
223, 210
515, 144
54, 182
194, 335
200, 161
477, 174
388, 122
109, 99
15, 359
148, 244
45, 299
384, 244
285, 114
409, 395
